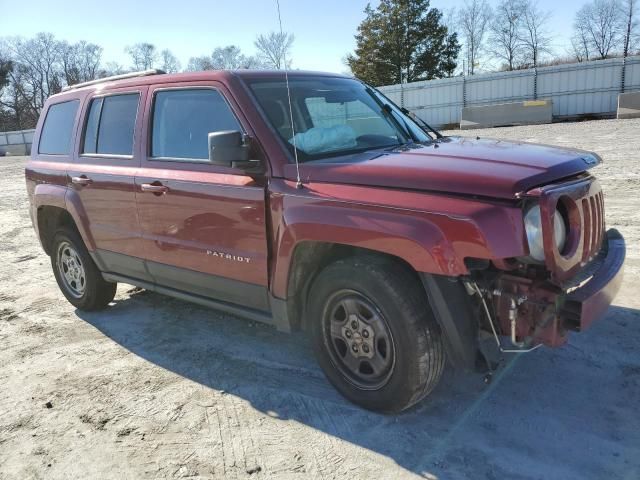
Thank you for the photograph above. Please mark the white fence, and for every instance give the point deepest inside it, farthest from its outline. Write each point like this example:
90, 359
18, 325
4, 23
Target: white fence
16, 143
588, 88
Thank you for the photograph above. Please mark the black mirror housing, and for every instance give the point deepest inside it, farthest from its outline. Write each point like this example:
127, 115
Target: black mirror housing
227, 148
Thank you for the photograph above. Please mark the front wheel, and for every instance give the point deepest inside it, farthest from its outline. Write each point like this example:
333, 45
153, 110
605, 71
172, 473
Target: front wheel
374, 334
77, 275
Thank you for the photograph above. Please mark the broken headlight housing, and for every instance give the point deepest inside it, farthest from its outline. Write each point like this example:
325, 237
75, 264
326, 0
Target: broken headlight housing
533, 229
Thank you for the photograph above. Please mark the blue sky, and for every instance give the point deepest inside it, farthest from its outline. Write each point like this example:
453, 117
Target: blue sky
323, 29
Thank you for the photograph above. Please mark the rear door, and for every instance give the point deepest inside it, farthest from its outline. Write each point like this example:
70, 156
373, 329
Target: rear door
103, 177
203, 226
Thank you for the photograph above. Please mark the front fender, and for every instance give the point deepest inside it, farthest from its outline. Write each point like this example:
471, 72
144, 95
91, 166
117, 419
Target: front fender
419, 243
435, 241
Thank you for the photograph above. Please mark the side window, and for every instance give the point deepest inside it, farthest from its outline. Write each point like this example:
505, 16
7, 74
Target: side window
182, 120
55, 138
110, 125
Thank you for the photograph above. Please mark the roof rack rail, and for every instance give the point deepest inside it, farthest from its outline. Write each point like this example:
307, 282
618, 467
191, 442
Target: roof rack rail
142, 73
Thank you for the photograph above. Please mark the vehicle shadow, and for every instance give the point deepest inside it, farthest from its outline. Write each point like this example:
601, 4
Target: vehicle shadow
561, 413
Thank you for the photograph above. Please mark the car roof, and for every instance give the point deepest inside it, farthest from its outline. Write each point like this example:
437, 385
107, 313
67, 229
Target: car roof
219, 75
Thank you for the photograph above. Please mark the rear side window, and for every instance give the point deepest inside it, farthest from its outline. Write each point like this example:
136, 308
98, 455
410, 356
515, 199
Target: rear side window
110, 125
55, 138
182, 120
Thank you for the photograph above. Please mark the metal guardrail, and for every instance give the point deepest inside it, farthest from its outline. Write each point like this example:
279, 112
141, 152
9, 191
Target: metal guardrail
16, 143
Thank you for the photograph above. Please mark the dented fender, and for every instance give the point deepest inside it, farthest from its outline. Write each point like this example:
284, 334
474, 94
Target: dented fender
432, 233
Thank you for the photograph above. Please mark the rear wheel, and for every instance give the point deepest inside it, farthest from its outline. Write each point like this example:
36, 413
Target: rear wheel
77, 275
374, 334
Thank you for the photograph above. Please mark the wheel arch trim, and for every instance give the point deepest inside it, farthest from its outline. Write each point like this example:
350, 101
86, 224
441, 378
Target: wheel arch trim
47, 195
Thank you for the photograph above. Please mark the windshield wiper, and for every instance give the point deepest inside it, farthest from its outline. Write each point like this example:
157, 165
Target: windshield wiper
424, 125
388, 112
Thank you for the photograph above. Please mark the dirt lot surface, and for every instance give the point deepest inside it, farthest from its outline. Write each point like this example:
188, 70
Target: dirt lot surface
158, 388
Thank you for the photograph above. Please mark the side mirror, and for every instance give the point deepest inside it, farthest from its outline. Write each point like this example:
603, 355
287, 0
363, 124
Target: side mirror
229, 149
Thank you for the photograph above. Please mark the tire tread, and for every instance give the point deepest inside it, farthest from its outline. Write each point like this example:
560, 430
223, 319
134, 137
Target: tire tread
409, 296
99, 293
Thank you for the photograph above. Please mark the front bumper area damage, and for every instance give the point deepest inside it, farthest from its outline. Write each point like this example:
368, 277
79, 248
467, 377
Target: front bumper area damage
533, 312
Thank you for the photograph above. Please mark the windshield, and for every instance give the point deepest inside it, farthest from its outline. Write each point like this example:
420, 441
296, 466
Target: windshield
333, 116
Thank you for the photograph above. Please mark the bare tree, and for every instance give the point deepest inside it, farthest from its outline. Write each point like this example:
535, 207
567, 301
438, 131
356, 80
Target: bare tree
506, 32
168, 61
630, 24
6, 66
232, 58
143, 55
80, 61
197, 64
18, 112
37, 68
110, 69
224, 58
535, 37
599, 22
473, 20
580, 45
36, 71
274, 49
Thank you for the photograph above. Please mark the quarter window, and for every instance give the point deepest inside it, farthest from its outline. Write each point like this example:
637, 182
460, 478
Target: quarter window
182, 120
58, 128
110, 125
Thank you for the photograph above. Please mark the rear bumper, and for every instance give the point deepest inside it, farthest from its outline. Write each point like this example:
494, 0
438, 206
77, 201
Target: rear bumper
590, 301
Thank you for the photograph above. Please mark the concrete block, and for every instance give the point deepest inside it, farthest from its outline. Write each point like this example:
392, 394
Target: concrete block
21, 149
506, 114
629, 105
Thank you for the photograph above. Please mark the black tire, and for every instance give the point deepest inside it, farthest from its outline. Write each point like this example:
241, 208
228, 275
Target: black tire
413, 335
87, 291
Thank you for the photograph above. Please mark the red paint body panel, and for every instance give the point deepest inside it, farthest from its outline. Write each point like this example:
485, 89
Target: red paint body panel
434, 206
432, 233
490, 168
204, 213
107, 204
208, 208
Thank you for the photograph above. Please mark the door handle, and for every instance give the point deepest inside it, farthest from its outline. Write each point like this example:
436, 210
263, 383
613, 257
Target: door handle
155, 187
81, 180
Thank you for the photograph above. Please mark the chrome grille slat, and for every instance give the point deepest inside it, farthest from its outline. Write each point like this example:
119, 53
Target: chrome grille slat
599, 227
586, 211
594, 223
602, 222
593, 214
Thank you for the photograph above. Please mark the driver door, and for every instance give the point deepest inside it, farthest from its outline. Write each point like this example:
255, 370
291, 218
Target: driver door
203, 226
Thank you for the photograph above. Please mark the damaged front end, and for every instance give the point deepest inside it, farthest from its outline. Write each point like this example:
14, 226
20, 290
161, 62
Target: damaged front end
528, 302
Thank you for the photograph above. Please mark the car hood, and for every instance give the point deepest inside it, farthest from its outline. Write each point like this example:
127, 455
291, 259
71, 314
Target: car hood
483, 167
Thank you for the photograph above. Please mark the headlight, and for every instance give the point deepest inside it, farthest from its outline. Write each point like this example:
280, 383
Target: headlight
533, 227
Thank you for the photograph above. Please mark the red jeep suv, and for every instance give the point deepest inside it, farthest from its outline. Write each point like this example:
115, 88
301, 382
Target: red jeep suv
311, 201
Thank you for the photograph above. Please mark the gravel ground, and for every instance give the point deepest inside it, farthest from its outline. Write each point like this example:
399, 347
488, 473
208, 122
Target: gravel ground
158, 388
